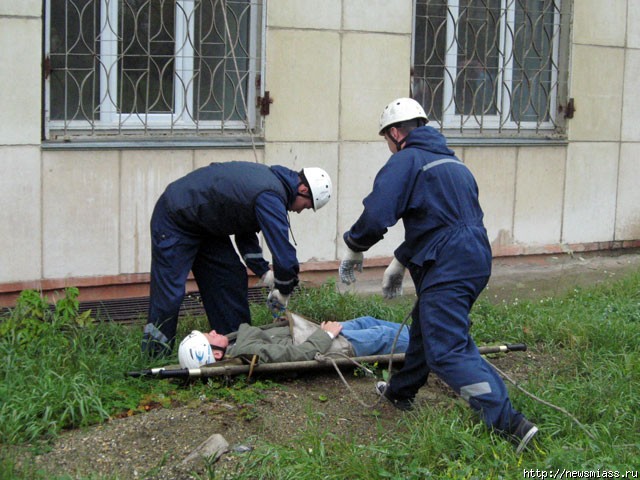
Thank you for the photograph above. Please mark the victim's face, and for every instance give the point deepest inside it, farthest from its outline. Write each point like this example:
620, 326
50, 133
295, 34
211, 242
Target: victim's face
218, 342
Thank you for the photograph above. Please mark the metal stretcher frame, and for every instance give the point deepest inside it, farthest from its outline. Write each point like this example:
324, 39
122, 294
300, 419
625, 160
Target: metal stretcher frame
237, 367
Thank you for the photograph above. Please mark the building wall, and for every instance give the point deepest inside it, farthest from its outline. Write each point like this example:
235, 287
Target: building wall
81, 217
21, 240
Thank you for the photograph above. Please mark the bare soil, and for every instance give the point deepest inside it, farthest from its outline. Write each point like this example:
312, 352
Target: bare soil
153, 445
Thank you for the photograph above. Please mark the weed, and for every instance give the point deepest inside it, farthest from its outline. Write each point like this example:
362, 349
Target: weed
60, 371
596, 335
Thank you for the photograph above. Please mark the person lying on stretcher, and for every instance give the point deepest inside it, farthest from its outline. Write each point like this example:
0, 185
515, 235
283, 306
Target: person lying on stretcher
299, 341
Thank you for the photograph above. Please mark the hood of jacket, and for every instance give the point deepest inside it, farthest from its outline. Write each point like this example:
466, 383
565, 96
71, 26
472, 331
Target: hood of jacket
289, 179
429, 139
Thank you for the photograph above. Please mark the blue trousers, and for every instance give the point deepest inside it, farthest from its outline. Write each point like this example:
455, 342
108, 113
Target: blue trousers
440, 343
370, 336
220, 275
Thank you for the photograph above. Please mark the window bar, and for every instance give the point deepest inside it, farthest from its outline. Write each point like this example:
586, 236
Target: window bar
184, 55
507, 61
109, 62
195, 103
450, 70
250, 112
47, 84
143, 116
556, 7
96, 64
66, 70
489, 81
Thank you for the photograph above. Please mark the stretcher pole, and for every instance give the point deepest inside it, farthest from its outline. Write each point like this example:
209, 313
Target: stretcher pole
231, 370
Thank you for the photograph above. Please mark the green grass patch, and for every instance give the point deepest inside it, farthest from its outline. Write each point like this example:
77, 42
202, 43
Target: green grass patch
589, 344
62, 370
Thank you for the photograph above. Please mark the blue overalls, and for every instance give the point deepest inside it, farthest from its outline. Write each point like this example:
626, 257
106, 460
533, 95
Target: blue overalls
448, 255
190, 231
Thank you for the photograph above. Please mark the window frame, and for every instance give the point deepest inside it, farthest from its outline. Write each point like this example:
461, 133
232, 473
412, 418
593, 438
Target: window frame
502, 121
151, 125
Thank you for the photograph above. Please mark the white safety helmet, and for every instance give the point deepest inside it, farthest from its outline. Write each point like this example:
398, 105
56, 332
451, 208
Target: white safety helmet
195, 351
400, 110
320, 186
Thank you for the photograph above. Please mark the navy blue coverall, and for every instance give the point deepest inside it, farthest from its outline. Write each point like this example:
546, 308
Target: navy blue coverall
191, 227
448, 255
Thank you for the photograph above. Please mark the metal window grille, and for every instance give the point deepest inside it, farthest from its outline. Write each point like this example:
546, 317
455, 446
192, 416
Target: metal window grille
151, 66
492, 65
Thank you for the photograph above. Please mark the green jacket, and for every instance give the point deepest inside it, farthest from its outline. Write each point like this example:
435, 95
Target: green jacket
274, 345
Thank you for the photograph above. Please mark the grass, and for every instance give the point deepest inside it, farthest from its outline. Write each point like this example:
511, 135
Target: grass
592, 337
58, 374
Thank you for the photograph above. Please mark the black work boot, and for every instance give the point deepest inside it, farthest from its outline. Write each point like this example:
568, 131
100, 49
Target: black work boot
523, 434
403, 404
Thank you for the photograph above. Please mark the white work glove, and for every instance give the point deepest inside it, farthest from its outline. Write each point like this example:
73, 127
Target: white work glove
277, 303
268, 280
352, 261
392, 279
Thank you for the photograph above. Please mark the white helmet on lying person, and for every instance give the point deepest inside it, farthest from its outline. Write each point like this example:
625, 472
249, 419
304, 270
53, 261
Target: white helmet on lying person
195, 351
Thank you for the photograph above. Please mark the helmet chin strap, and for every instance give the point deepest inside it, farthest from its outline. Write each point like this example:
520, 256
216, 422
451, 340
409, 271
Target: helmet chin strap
399, 143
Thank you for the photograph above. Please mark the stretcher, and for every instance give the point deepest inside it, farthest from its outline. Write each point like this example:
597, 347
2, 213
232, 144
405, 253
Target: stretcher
243, 366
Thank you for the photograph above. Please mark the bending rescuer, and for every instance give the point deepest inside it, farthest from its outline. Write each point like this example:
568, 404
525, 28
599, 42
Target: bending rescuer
191, 227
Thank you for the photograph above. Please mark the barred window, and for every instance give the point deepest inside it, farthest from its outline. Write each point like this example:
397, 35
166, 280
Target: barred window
488, 64
151, 66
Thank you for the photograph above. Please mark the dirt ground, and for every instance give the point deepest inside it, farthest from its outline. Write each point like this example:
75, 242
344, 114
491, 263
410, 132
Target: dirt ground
154, 444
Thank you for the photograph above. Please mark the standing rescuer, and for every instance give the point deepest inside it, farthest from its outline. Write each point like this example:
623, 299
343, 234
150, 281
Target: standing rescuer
191, 227
448, 255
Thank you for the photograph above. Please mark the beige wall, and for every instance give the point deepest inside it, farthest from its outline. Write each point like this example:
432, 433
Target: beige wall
21, 240
600, 201
331, 67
